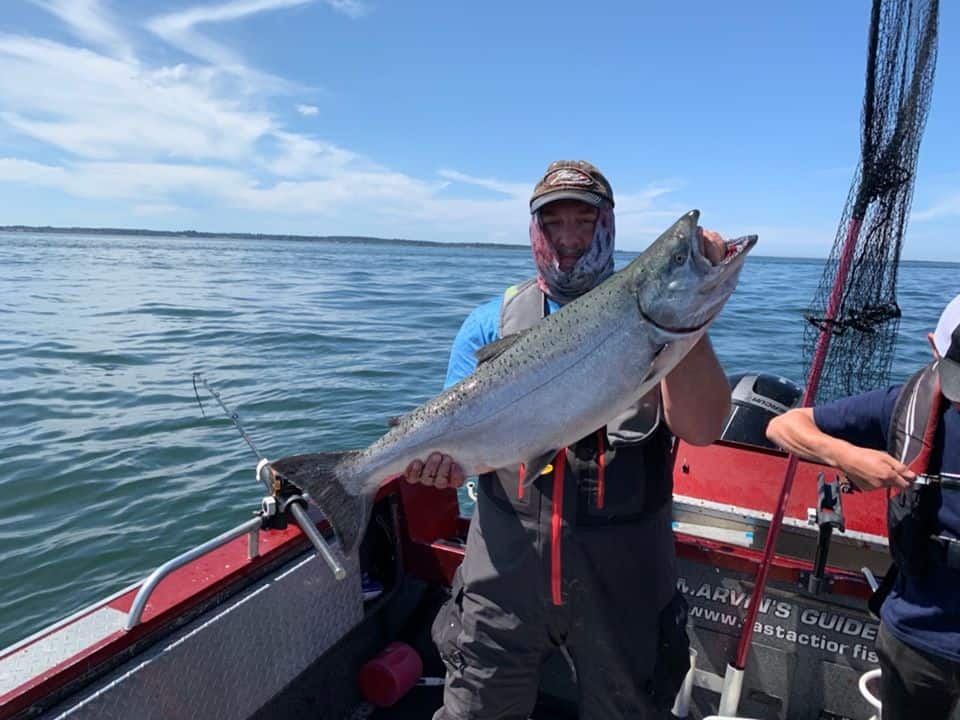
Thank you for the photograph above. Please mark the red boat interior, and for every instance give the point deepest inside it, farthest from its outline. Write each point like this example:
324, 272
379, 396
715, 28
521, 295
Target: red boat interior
413, 547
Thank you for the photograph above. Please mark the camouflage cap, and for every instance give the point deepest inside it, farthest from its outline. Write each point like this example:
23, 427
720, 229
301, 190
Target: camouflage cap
571, 180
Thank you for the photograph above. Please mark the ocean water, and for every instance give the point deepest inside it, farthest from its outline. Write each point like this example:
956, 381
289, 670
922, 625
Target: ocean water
108, 466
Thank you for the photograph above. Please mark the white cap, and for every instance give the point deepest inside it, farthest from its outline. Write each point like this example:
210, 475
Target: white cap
946, 338
949, 320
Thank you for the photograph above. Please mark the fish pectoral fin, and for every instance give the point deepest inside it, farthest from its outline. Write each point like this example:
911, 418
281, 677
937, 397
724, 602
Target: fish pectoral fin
533, 468
656, 365
497, 347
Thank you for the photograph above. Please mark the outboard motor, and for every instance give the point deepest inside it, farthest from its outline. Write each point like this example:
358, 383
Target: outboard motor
756, 398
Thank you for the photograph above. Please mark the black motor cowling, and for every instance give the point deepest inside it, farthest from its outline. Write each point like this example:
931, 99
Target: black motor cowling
756, 398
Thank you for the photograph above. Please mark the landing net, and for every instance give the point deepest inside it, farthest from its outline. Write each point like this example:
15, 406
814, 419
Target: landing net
856, 301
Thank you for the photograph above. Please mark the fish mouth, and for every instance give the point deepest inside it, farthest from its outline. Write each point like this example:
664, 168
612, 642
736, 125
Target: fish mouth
734, 249
737, 247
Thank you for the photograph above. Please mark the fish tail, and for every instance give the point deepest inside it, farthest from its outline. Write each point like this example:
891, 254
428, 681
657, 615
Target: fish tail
342, 501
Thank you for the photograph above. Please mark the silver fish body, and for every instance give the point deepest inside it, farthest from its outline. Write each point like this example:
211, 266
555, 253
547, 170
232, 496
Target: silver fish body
557, 382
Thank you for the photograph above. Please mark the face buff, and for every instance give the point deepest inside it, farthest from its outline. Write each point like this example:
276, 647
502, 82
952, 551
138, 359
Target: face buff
592, 268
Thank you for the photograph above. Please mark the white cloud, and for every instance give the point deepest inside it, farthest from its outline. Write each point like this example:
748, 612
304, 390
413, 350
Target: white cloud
224, 12
347, 191
643, 201
150, 134
351, 8
361, 201
949, 207
301, 156
640, 215
381, 194
515, 190
800, 240
91, 22
180, 28
156, 209
162, 140
129, 181
100, 107
32, 173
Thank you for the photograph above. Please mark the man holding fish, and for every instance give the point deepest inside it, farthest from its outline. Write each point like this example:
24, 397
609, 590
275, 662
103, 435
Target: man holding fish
572, 549
579, 381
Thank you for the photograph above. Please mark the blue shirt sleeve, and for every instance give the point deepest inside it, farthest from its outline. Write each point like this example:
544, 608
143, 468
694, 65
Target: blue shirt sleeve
862, 419
482, 326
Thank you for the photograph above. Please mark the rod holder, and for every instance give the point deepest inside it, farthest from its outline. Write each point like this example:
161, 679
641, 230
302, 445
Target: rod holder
310, 530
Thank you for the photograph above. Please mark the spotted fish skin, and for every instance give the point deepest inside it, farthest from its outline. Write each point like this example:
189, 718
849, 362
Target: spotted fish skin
559, 381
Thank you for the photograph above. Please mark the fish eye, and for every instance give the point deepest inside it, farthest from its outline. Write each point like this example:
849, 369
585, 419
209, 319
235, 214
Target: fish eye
680, 258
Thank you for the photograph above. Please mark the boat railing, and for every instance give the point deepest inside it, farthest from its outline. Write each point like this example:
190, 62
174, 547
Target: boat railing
269, 507
250, 528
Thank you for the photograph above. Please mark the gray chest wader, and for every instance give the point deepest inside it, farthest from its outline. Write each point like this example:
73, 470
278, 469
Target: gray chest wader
912, 525
580, 558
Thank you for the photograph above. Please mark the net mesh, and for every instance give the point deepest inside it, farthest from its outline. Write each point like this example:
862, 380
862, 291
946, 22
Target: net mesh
856, 300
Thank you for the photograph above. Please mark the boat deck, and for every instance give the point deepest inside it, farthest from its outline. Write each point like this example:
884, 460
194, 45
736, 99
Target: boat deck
422, 702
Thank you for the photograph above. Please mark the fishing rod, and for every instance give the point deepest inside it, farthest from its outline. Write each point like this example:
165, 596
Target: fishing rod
234, 417
278, 501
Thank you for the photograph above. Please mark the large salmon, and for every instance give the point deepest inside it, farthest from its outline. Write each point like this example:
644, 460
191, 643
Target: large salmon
545, 388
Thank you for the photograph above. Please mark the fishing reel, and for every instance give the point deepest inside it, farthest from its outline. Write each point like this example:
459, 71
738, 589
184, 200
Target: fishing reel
275, 507
286, 499
826, 517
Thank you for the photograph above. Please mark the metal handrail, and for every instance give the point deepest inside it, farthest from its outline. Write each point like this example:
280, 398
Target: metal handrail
150, 584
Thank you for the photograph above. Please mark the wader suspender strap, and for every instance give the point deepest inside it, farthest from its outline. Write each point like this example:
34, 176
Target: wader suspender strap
525, 319
556, 528
601, 465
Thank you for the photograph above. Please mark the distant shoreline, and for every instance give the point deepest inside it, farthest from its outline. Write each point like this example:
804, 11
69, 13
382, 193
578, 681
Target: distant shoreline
49, 230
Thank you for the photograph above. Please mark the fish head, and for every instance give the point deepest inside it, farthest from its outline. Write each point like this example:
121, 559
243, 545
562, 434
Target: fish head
679, 290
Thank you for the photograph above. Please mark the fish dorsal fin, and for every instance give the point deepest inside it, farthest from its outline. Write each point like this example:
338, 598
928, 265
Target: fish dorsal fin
497, 347
533, 468
397, 420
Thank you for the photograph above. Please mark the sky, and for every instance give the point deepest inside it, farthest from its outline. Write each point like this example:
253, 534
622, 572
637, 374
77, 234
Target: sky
433, 119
